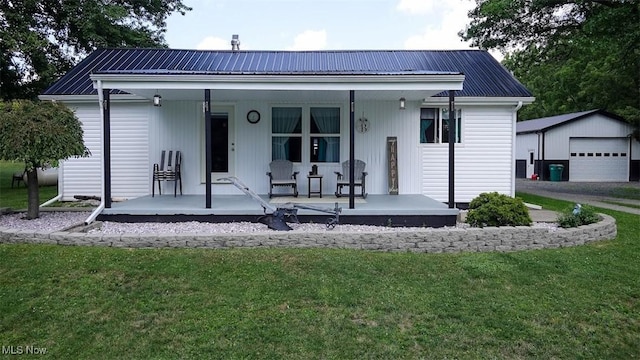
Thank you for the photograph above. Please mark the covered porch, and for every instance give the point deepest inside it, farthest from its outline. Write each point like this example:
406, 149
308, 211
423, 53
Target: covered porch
381, 210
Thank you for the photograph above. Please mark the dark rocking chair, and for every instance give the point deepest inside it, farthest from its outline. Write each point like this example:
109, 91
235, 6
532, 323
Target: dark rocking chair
359, 176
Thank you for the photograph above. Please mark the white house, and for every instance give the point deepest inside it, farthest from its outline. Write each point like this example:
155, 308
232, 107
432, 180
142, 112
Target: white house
311, 107
591, 145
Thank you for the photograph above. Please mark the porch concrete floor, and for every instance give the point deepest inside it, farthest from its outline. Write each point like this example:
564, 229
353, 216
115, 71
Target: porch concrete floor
377, 205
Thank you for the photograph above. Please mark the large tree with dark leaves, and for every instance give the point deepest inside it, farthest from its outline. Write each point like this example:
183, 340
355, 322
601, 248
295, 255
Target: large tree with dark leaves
573, 55
42, 39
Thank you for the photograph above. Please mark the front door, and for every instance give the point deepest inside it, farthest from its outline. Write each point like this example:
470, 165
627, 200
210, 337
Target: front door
222, 144
530, 164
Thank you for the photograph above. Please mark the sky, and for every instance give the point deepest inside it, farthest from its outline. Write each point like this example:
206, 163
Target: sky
321, 25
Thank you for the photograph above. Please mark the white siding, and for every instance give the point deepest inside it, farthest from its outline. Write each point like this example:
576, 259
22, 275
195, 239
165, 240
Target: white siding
82, 176
130, 171
483, 161
129, 152
556, 140
140, 132
174, 126
525, 143
385, 119
180, 125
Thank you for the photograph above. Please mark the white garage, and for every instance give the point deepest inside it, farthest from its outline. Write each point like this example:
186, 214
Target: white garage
599, 159
591, 145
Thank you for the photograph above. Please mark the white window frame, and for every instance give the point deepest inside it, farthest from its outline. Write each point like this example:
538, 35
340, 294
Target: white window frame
305, 135
439, 123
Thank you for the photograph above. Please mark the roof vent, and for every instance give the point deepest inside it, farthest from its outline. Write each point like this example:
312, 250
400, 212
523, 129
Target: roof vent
235, 42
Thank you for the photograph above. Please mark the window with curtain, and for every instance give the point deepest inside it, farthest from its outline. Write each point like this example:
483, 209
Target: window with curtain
428, 125
434, 126
286, 129
319, 132
445, 125
324, 130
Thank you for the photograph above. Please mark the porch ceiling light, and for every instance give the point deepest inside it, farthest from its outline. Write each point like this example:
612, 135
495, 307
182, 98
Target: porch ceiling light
402, 103
157, 100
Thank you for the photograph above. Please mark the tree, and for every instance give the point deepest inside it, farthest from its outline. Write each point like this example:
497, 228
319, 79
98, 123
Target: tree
38, 134
40, 40
573, 55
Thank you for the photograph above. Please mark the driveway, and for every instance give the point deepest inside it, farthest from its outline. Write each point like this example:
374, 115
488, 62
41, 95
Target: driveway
600, 194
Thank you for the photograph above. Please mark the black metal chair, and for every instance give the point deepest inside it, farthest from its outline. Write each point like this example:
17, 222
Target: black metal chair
172, 172
18, 177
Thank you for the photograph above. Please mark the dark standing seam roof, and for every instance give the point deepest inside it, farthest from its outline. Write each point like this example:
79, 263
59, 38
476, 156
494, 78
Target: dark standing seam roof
484, 76
544, 124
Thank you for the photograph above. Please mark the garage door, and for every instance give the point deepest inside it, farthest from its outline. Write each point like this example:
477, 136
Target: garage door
599, 159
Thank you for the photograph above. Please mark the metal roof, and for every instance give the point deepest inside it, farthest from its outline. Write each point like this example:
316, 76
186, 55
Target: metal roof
484, 76
544, 124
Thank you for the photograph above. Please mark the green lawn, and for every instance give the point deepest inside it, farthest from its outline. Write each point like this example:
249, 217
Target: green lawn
626, 192
16, 198
82, 302
621, 204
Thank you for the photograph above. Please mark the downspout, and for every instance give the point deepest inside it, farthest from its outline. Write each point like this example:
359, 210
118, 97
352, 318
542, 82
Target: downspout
630, 156
535, 168
513, 149
542, 161
101, 206
52, 200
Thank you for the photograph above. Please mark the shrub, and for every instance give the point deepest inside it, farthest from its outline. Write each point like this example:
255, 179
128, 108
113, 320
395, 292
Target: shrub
493, 209
578, 215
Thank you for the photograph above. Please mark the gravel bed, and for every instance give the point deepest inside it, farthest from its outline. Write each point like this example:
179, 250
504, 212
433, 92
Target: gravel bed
58, 221
48, 221
231, 228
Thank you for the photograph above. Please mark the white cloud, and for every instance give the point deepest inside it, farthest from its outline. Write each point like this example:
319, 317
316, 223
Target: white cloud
215, 43
310, 40
443, 34
418, 6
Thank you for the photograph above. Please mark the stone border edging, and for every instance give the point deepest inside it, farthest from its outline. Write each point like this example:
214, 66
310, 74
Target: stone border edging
501, 239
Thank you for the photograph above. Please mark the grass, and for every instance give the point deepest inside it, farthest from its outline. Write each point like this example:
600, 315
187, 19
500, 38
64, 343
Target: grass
626, 192
16, 198
621, 204
83, 302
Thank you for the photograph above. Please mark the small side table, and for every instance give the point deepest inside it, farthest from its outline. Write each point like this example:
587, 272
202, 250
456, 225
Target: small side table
319, 177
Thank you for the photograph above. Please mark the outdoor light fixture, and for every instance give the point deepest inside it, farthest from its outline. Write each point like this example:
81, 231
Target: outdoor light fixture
402, 103
157, 100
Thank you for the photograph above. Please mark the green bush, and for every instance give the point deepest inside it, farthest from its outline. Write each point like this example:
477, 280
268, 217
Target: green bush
571, 217
493, 209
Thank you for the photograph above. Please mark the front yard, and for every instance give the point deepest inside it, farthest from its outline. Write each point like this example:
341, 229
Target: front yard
85, 302
16, 197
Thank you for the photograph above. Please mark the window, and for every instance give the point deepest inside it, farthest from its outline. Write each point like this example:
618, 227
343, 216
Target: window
286, 127
434, 125
319, 132
324, 144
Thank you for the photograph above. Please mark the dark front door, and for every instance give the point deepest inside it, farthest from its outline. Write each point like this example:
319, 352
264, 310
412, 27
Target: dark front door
219, 143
